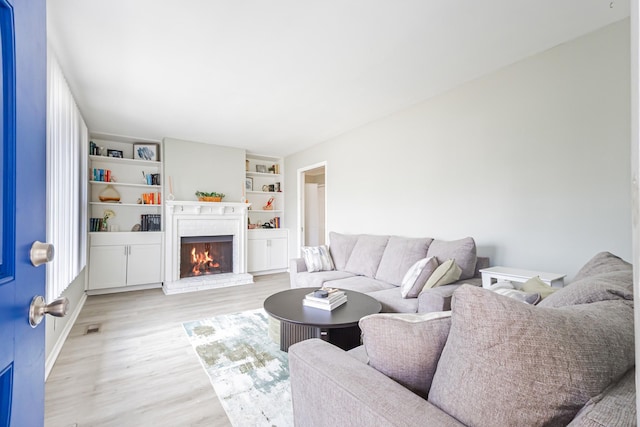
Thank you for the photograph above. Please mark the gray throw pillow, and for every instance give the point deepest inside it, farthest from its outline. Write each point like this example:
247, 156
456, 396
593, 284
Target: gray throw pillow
406, 346
317, 258
507, 363
463, 251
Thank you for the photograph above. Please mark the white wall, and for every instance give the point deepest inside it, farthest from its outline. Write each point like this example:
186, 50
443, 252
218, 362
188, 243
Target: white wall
195, 166
532, 161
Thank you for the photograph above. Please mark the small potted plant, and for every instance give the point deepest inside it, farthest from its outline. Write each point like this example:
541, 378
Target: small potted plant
209, 197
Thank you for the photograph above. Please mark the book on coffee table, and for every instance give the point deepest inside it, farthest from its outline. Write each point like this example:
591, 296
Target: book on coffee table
324, 305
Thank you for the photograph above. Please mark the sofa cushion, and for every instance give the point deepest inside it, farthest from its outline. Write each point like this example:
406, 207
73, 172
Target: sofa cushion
406, 347
318, 279
603, 262
392, 301
415, 279
616, 285
508, 363
317, 258
616, 406
360, 284
446, 273
535, 285
399, 255
340, 246
463, 251
366, 255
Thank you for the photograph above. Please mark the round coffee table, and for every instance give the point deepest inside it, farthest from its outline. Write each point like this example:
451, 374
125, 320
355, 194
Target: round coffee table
299, 322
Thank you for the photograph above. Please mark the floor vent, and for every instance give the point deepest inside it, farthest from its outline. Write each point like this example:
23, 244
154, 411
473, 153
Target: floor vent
92, 329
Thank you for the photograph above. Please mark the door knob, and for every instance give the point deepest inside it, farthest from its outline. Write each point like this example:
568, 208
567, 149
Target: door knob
41, 253
39, 308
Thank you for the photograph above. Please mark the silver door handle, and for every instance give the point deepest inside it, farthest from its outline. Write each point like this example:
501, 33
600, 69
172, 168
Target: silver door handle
39, 308
41, 253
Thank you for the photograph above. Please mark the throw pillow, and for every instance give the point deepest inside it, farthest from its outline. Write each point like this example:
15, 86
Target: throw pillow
317, 258
536, 285
463, 251
405, 346
417, 276
341, 246
447, 272
507, 363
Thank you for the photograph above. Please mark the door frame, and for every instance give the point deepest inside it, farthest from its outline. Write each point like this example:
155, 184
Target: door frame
301, 199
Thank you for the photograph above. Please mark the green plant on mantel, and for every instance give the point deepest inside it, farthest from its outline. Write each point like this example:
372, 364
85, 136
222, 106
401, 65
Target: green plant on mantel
212, 194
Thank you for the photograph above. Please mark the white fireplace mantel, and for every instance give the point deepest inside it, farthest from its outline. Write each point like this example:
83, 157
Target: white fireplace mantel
189, 218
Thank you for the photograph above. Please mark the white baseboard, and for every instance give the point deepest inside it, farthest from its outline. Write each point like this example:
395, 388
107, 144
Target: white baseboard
55, 351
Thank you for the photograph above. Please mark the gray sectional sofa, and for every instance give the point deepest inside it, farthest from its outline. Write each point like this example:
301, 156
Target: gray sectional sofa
490, 361
376, 265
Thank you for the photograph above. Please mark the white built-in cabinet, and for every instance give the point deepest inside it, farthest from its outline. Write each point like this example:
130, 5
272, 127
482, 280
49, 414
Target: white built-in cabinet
120, 258
267, 251
267, 248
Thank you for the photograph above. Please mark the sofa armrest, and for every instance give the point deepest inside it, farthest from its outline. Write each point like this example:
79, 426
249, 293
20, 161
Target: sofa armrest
329, 387
296, 265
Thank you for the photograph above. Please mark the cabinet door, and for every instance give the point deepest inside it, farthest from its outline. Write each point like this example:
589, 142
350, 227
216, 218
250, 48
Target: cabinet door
257, 256
277, 253
144, 265
107, 267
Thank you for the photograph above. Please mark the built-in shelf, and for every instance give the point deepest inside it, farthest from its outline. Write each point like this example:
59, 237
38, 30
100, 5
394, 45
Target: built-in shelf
126, 184
264, 174
264, 192
262, 210
121, 161
137, 205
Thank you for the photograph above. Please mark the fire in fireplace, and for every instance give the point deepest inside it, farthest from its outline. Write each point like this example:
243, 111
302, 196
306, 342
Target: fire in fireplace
204, 255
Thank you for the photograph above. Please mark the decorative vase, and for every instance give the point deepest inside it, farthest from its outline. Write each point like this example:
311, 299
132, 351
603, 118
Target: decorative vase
109, 195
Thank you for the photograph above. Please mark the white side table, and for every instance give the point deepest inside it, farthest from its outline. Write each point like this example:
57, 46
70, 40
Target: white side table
516, 275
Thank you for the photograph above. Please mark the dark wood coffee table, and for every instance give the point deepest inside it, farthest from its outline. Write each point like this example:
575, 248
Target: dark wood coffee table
299, 322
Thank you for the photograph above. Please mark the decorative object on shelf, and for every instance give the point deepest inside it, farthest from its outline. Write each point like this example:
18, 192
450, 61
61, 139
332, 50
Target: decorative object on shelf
145, 151
246, 165
136, 227
170, 196
277, 187
248, 184
115, 153
109, 195
265, 188
261, 169
108, 213
209, 197
269, 205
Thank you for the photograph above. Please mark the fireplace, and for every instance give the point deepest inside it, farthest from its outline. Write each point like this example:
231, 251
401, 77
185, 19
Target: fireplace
205, 246
202, 255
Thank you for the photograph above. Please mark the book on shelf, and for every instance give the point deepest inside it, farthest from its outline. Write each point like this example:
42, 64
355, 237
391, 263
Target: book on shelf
333, 296
324, 305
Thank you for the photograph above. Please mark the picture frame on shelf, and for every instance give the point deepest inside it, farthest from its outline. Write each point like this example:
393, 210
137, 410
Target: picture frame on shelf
115, 153
145, 151
248, 184
261, 168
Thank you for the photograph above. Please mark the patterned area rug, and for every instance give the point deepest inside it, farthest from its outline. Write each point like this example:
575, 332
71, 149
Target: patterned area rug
248, 371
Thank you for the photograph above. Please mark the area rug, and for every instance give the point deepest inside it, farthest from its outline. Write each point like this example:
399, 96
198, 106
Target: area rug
248, 371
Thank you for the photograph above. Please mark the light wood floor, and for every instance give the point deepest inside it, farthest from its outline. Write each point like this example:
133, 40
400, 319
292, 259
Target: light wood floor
140, 369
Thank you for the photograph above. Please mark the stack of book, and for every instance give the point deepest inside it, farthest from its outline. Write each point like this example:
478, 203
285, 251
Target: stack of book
335, 299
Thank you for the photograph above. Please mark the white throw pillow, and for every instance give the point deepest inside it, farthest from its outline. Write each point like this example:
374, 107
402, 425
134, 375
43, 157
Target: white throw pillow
417, 275
317, 258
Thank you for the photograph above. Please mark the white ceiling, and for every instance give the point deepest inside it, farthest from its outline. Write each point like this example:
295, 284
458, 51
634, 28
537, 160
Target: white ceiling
279, 76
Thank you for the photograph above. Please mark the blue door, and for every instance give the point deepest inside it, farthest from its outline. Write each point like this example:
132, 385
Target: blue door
22, 208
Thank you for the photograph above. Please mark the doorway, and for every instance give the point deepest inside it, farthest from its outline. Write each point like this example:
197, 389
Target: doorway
312, 205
